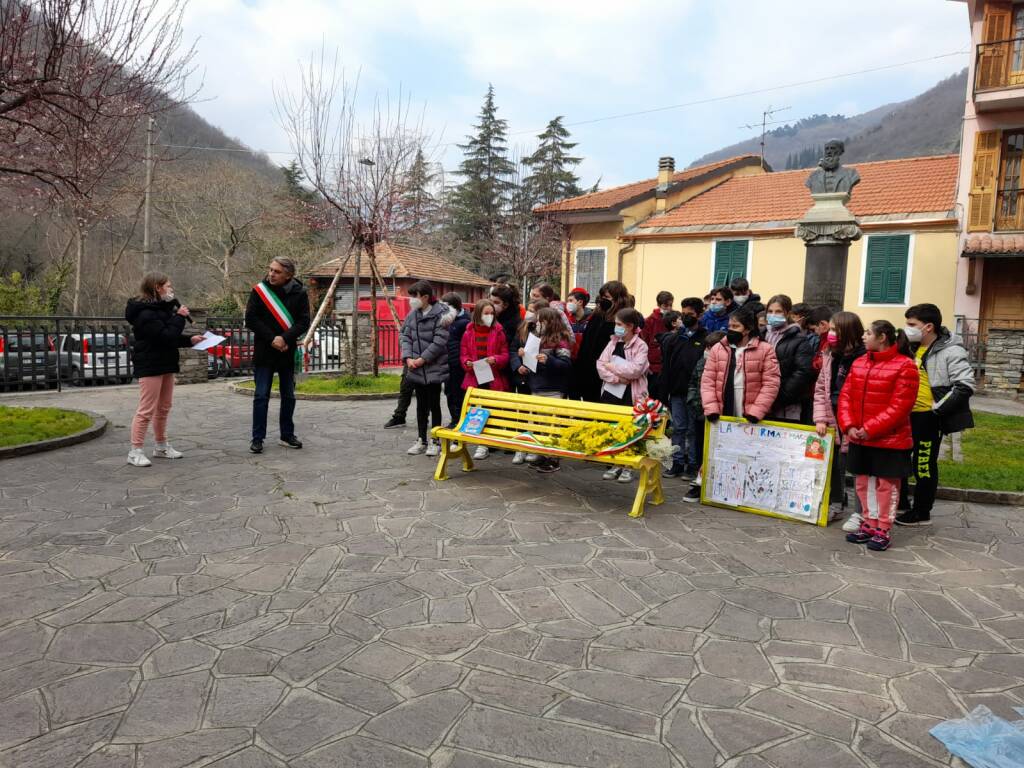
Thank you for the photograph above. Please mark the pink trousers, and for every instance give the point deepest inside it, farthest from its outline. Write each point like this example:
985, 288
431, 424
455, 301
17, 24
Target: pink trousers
879, 497
155, 396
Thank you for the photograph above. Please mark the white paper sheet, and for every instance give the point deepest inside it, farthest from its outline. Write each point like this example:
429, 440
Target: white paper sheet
482, 371
530, 351
209, 341
615, 390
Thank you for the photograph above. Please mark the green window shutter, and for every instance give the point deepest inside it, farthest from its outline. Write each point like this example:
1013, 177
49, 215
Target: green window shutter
730, 260
885, 274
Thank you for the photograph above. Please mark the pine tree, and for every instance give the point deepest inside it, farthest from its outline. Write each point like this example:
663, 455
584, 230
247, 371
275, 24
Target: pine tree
293, 178
418, 212
550, 167
478, 202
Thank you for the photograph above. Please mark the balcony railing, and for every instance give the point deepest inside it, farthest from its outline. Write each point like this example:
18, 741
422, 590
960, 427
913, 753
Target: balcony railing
1009, 210
999, 65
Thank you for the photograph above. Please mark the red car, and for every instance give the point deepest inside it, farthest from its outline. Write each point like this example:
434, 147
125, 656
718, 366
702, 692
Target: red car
237, 348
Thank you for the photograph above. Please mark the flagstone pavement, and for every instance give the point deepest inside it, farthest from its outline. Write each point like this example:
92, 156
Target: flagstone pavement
336, 607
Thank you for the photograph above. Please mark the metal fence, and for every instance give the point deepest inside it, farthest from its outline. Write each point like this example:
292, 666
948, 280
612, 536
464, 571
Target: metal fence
51, 352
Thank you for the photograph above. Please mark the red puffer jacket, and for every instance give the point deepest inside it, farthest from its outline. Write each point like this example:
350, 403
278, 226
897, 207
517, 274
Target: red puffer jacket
879, 395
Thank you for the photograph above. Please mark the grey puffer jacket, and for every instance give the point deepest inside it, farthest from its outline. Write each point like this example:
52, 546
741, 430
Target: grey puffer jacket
425, 334
951, 379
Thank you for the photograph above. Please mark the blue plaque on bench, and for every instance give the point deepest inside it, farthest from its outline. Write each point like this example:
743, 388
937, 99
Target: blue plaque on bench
475, 420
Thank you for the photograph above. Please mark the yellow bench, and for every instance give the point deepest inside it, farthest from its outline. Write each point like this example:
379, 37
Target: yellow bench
512, 415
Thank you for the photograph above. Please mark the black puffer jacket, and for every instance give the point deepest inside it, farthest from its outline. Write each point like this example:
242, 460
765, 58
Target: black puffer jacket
157, 329
796, 368
679, 355
264, 327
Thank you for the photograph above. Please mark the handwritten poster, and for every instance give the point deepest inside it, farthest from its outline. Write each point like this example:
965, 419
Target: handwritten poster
769, 468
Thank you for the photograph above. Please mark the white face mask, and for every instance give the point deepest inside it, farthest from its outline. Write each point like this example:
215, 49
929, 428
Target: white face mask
530, 317
741, 300
167, 295
571, 307
541, 330
913, 334
488, 320
415, 302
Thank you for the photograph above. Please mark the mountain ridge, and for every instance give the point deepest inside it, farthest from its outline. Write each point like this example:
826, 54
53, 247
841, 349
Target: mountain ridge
927, 124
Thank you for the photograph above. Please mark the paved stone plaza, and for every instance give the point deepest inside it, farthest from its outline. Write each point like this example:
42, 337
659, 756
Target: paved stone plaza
335, 607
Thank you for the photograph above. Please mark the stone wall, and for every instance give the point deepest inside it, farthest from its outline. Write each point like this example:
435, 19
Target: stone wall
366, 351
1004, 362
193, 363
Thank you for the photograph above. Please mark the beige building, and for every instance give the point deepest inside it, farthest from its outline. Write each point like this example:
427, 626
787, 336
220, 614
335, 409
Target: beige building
745, 226
990, 279
594, 251
739, 220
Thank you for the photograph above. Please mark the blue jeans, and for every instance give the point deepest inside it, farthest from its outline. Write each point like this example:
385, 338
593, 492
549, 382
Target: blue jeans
683, 423
261, 402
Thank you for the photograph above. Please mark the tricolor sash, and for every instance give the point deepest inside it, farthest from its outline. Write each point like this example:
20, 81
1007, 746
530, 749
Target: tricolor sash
280, 313
275, 305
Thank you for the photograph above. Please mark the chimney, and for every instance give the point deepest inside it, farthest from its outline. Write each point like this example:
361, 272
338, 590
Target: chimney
666, 167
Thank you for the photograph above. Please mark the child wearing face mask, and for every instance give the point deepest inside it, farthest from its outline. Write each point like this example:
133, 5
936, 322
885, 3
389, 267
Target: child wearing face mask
874, 412
696, 408
484, 339
624, 362
554, 363
719, 308
844, 345
796, 362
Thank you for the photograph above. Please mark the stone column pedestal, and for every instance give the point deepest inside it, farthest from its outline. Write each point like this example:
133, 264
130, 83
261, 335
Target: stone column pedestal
827, 229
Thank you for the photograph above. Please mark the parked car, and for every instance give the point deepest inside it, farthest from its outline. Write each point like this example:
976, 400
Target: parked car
237, 348
216, 366
95, 357
27, 357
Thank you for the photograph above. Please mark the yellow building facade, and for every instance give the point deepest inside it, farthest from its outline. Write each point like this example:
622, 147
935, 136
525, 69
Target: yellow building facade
738, 219
776, 265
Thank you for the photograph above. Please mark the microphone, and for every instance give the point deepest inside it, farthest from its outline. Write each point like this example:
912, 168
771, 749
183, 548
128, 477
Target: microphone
175, 304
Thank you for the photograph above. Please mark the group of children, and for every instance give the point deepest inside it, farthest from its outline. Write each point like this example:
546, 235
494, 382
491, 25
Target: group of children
891, 394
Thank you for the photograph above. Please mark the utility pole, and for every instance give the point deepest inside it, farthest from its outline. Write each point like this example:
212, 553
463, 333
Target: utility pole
764, 127
146, 251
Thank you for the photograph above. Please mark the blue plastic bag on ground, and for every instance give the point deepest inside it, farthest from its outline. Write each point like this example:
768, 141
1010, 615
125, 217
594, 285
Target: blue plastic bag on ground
984, 740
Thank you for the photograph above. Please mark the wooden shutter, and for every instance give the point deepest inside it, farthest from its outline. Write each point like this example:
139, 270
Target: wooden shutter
994, 51
984, 177
885, 274
730, 260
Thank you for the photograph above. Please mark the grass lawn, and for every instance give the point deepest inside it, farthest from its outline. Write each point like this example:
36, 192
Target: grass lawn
27, 425
343, 385
993, 455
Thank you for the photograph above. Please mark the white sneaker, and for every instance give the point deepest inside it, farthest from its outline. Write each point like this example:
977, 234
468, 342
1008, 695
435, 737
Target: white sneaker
519, 458
137, 458
626, 476
434, 449
852, 523
417, 448
531, 457
481, 452
165, 451
611, 473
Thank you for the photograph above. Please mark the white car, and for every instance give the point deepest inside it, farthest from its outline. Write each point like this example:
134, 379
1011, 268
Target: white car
95, 356
327, 347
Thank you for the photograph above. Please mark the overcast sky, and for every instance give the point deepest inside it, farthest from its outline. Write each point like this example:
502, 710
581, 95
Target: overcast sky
583, 59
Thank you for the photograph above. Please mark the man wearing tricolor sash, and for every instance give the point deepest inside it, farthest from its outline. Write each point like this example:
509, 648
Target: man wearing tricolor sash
278, 316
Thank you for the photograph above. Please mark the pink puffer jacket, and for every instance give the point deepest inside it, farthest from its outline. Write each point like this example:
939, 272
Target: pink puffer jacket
632, 371
760, 378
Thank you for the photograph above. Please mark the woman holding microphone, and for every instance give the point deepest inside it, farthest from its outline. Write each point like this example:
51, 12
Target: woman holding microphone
158, 320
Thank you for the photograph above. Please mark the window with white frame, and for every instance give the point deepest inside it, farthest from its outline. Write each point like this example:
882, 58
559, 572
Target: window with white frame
590, 270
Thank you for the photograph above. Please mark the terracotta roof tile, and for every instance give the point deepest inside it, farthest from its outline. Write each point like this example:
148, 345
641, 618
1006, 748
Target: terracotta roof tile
911, 185
614, 196
395, 260
987, 242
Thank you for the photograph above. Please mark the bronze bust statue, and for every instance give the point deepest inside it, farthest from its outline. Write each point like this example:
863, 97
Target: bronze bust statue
831, 175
